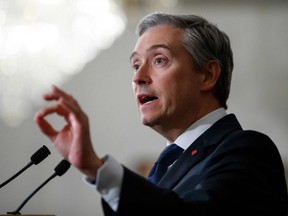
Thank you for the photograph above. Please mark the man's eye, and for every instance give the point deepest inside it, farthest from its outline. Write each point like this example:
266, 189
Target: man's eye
159, 60
136, 67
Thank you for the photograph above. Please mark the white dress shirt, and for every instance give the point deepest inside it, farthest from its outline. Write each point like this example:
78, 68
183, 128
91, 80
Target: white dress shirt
110, 175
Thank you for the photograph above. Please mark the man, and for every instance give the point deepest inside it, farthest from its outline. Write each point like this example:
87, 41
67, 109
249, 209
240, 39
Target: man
182, 72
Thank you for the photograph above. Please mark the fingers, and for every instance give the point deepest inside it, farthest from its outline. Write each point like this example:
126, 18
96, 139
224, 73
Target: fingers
63, 98
44, 125
58, 95
66, 107
55, 94
60, 110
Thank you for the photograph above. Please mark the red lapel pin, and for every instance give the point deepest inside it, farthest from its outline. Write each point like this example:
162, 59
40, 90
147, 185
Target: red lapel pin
194, 152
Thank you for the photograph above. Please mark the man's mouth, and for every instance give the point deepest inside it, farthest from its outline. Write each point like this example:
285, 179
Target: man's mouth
144, 98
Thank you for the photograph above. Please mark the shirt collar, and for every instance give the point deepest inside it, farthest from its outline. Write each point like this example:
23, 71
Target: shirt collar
199, 127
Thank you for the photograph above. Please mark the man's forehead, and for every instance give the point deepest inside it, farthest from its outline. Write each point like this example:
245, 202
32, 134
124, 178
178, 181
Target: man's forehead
162, 36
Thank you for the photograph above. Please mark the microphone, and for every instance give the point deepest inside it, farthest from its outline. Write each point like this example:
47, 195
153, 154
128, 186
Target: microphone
36, 158
60, 169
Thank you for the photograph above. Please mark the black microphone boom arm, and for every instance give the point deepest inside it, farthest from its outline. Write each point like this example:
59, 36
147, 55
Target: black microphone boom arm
60, 169
36, 158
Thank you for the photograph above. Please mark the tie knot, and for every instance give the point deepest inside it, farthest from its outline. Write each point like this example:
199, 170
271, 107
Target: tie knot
169, 154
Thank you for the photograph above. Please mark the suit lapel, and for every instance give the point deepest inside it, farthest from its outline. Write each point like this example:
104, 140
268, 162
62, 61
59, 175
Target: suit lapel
198, 150
183, 164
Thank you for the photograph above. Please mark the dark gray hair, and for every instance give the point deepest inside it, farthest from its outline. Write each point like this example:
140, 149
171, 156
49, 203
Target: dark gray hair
204, 41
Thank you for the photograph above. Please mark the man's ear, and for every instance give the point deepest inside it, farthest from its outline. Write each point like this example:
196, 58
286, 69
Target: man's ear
211, 73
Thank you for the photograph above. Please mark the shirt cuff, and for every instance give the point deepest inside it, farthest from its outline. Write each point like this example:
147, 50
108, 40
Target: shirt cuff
108, 181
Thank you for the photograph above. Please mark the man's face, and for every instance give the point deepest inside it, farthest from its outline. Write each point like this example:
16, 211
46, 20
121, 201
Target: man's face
165, 83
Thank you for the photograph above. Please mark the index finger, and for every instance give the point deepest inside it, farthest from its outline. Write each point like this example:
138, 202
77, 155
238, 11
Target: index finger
43, 124
55, 94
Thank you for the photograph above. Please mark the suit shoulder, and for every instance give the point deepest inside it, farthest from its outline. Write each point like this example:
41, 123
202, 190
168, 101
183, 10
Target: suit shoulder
249, 142
252, 137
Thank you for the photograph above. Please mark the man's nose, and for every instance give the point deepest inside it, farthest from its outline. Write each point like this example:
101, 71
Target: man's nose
142, 76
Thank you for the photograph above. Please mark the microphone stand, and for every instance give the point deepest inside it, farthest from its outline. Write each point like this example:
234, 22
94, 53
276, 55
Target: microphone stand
17, 174
60, 169
17, 211
36, 158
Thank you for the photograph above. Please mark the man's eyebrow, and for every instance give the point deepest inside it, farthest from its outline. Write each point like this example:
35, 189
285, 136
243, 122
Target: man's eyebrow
132, 55
154, 47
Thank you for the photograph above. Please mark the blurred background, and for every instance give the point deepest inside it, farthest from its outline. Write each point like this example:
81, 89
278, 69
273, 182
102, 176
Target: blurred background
83, 46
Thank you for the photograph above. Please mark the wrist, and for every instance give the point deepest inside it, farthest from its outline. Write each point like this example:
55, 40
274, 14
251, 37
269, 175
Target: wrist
91, 170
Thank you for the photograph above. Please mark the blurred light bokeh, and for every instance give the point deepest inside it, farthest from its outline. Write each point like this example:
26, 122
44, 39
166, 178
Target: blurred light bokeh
44, 42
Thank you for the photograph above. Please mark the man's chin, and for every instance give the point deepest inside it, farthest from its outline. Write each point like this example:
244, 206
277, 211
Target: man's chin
146, 121
150, 122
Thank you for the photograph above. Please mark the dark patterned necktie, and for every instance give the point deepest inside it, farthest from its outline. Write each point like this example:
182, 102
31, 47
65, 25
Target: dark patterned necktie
168, 156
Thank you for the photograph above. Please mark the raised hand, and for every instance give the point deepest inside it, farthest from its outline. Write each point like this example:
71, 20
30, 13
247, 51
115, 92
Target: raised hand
73, 140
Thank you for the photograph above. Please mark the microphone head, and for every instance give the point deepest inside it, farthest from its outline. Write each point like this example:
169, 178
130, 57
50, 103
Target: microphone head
62, 167
40, 155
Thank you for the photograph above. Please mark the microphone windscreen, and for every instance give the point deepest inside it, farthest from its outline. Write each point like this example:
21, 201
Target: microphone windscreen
62, 167
40, 155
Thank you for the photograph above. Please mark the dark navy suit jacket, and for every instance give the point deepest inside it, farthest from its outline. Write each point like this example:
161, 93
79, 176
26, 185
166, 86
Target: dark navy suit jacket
226, 171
